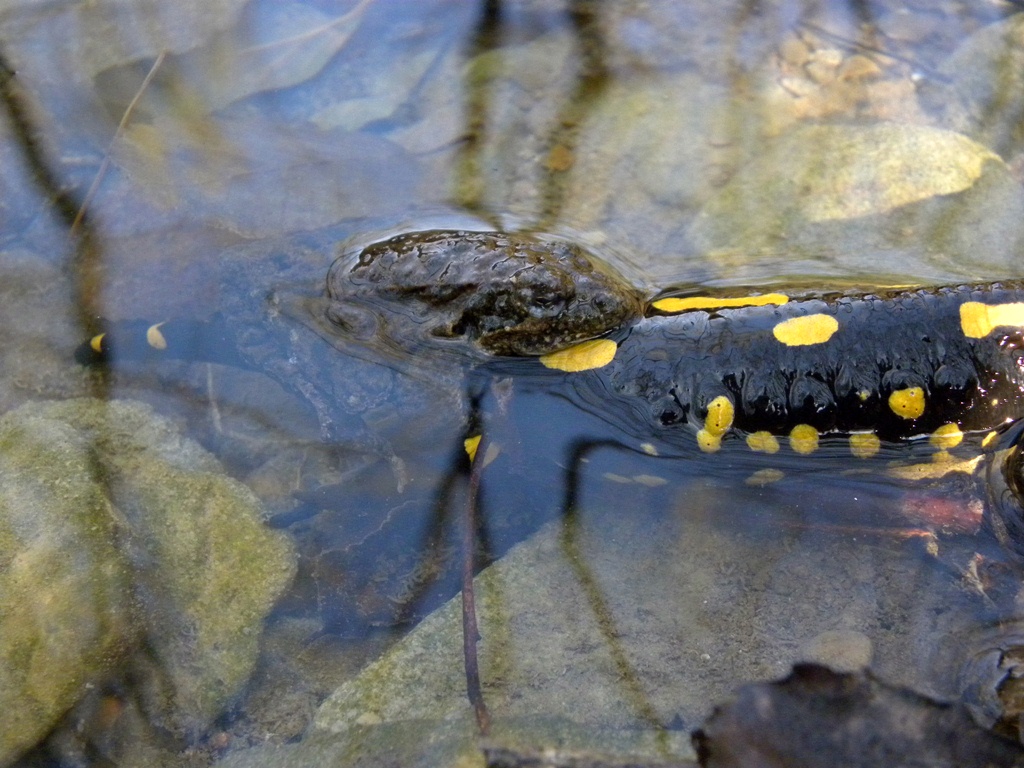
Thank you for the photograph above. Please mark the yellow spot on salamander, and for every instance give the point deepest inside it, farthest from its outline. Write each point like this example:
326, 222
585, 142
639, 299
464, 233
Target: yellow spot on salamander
864, 395
471, 444
942, 457
708, 442
864, 445
685, 304
763, 442
988, 439
649, 449
806, 330
764, 477
96, 343
720, 416
979, 320
155, 338
907, 403
947, 436
585, 356
804, 439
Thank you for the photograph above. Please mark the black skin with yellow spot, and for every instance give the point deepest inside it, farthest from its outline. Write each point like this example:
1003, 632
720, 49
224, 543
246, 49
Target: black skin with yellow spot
669, 368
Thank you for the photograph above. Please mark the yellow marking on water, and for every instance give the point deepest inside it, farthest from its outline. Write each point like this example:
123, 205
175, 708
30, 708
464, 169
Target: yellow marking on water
155, 338
651, 481
907, 403
988, 439
947, 436
649, 449
96, 343
979, 320
708, 442
763, 442
942, 457
934, 470
804, 439
687, 303
584, 356
864, 445
765, 477
806, 330
721, 413
471, 444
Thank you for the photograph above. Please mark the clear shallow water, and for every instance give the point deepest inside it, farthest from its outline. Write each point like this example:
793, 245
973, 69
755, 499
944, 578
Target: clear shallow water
682, 139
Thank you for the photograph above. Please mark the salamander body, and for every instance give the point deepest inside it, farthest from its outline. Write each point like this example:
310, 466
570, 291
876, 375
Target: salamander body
875, 367
777, 370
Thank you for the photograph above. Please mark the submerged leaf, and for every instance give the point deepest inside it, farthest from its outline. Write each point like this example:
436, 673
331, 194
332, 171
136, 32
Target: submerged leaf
254, 177
817, 717
293, 43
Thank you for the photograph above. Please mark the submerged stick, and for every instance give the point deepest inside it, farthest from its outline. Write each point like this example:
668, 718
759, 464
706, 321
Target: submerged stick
470, 632
105, 164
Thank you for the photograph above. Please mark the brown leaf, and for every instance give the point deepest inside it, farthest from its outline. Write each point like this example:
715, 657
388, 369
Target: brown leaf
820, 718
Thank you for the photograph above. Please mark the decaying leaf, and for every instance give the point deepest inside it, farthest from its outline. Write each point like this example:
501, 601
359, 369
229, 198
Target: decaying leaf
82, 39
286, 44
817, 717
254, 177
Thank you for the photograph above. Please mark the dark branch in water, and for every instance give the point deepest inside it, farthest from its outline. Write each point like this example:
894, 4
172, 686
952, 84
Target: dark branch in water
19, 114
470, 631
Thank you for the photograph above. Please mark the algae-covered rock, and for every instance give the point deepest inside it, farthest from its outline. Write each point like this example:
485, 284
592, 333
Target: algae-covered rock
838, 194
131, 515
65, 593
425, 743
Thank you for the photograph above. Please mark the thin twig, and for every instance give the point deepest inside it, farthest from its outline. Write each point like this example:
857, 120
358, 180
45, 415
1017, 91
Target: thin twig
110, 148
349, 16
470, 632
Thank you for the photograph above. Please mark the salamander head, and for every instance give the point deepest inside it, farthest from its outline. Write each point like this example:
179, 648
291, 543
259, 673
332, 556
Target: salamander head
507, 294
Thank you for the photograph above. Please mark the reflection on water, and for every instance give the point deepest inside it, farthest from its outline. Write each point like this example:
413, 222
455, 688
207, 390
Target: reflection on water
697, 144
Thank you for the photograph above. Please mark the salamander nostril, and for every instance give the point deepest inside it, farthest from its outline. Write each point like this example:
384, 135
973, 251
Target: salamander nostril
670, 416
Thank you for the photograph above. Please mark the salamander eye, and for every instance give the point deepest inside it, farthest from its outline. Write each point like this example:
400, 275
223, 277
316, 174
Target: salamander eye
545, 301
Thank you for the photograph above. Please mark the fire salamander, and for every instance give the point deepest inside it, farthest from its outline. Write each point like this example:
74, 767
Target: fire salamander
774, 371
777, 372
